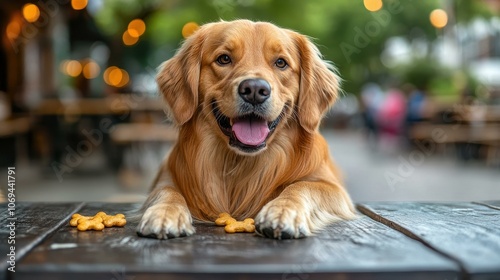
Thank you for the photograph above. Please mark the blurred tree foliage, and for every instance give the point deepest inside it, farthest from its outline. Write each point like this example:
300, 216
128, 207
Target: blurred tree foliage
346, 33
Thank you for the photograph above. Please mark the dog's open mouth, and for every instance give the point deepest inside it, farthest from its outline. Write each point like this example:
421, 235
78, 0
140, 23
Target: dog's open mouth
249, 132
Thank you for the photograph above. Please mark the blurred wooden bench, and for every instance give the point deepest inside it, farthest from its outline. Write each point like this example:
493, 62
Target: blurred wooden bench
113, 105
15, 126
487, 134
143, 132
453, 133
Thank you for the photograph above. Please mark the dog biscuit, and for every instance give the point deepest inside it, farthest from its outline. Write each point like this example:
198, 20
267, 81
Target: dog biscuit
224, 219
231, 225
117, 220
76, 217
246, 226
97, 222
94, 223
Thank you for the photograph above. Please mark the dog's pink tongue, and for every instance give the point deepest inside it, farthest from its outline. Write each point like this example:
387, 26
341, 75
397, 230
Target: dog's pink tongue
250, 131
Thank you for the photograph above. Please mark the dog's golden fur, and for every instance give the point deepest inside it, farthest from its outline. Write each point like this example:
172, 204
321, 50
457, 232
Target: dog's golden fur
290, 186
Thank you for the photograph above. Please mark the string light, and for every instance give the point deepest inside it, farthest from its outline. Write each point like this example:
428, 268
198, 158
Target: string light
373, 5
79, 4
136, 27
116, 77
91, 69
13, 30
73, 68
128, 39
31, 12
189, 28
438, 18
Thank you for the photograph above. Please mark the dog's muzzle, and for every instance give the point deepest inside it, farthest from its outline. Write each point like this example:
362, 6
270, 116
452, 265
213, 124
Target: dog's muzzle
249, 132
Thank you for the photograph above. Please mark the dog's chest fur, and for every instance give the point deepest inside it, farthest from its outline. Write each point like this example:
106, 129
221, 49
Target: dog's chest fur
214, 179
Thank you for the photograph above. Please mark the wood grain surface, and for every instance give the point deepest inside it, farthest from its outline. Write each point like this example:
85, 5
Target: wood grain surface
492, 204
358, 249
34, 223
466, 232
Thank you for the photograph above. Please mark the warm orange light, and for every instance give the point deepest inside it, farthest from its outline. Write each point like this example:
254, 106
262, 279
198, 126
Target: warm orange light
106, 74
13, 30
73, 68
64, 66
373, 5
438, 18
31, 12
189, 28
125, 79
116, 77
128, 39
79, 4
91, 70
136, 27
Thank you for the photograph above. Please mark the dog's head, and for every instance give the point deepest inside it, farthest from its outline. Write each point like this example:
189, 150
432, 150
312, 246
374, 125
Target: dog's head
247, 80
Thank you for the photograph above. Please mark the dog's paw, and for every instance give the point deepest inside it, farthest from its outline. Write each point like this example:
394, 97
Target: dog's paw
164, 221
282, 219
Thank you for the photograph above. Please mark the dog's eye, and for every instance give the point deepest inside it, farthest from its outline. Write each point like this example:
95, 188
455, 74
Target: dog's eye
281, 63
223, 59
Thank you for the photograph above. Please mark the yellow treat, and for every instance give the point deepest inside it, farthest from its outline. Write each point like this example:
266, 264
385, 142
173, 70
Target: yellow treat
224, 219
232, 226
117, 220
76, 217
246, 226
94, 223
98, 221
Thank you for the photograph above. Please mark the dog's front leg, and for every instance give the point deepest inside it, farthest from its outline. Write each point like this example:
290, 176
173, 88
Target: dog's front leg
165, 215
302, 209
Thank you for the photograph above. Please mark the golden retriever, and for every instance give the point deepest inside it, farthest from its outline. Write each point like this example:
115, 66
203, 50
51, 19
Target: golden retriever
248, 98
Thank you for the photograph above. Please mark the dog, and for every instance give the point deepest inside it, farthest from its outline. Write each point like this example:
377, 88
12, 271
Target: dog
248, 98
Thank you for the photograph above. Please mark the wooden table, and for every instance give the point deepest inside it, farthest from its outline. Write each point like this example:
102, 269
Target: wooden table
387, 241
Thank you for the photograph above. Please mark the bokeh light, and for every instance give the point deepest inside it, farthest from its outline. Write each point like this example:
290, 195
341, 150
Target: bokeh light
73, 68
116, 77
64, 66
13, 30
91, 69
128, 39
373, 5
125, 79
106, 74
438, 18
79, 4
189, 28
136, 27
31, 12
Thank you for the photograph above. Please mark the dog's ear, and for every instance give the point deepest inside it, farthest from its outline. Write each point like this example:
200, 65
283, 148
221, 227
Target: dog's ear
178, 79
319, 85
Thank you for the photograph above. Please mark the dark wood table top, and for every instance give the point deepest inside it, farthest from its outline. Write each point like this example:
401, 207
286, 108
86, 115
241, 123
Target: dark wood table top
387, 241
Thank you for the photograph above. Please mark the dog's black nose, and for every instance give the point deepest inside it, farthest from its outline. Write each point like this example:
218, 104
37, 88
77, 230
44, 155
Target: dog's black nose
254, 91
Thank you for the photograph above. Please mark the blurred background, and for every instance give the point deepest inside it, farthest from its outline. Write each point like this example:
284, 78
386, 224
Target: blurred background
419, 118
